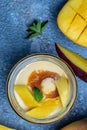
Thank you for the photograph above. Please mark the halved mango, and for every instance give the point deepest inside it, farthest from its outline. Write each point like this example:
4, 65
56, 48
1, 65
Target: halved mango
25, 95
47, 106
72, 21
63, 90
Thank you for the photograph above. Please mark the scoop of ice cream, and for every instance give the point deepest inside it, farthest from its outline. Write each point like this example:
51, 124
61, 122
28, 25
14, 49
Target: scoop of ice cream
48, 85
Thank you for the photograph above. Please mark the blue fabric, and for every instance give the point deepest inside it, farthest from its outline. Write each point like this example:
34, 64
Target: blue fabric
15, 15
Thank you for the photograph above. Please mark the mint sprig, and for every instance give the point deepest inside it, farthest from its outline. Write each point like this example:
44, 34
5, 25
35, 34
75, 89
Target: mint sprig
36, 28
38, 95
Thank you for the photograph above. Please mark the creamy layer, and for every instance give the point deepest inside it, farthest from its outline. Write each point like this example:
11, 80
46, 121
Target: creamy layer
23, 75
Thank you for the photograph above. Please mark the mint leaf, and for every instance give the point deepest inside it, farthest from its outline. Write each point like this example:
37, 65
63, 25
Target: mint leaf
38, 96
39, 27
36, 28
32, 28
34, 24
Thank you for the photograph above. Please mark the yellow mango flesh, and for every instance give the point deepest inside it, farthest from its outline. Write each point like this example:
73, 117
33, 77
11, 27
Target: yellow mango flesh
83, 38
63, 89
76, 28
83, 9
47, 106
66, 17
4, 128
25, 95
75, 4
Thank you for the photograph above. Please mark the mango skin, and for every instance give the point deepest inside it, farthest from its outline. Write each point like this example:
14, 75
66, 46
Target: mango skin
72, 21
77, 125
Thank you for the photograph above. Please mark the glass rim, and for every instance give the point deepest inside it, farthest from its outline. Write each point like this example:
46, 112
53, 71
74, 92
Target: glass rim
37, 120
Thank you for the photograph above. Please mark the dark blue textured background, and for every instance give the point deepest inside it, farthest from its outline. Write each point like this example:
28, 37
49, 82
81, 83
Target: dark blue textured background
15, 15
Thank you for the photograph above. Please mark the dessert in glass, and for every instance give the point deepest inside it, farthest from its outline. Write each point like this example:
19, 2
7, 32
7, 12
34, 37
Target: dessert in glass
41, 88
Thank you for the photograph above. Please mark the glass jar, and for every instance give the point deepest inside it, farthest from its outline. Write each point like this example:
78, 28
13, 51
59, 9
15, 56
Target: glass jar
35, 58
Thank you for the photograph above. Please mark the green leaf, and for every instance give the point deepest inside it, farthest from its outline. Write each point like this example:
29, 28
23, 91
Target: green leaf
36, 29
32, 35
32, 28
38, 96
39, 27
34, 24
43, 25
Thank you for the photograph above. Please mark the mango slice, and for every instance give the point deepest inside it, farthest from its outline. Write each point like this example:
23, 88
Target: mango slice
47, 106
72, 21
26, 95
76, 61
63, 90
4, 128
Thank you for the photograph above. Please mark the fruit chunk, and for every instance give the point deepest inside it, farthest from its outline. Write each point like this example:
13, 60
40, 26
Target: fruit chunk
77, 125
63, 89
77, 62
25, 95
47, 106
4, 128
72, 21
